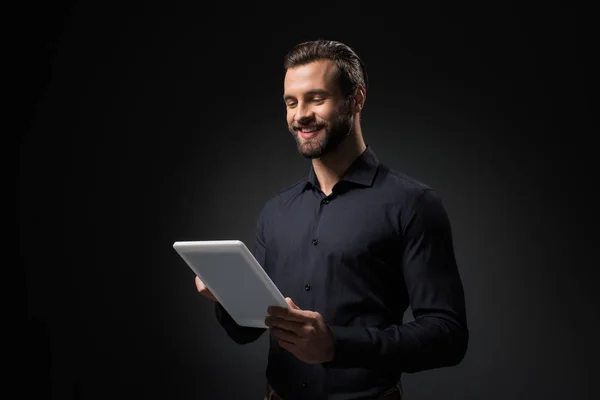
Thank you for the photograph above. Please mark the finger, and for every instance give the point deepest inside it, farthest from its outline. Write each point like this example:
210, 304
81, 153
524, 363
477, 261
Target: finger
199, 285
203, 290
285, 336
292, 348
209, 294
292, 326
291, 303
290, 314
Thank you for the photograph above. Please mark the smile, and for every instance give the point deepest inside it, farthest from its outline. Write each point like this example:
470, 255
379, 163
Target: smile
309, 132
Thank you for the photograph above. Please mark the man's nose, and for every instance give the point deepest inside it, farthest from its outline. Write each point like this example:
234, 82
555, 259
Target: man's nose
303, 113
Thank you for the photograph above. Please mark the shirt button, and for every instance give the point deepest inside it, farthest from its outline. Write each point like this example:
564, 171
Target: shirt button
307, 287
304, 384
315, 241
325, 201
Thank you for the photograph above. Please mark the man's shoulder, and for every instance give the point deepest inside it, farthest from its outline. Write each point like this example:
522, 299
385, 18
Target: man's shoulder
414, 196
402, 183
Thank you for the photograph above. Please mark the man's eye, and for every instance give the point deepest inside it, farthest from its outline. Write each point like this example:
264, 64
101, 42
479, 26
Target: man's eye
318, 99
290, 104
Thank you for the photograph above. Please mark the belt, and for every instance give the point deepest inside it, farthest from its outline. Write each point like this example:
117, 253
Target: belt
394, 394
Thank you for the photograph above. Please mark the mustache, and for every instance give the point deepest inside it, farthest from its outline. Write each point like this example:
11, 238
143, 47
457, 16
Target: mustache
312, 124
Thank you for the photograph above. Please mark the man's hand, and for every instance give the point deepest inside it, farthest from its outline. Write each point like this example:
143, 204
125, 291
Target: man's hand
203, 290
303, 333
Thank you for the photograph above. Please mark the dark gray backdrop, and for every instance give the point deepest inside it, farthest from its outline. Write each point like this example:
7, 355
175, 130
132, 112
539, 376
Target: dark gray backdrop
148, 123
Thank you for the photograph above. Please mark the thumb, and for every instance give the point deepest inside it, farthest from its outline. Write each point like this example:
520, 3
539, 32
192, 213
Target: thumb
291, 303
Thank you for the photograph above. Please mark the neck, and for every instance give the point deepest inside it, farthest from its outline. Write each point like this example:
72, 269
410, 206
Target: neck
330, 168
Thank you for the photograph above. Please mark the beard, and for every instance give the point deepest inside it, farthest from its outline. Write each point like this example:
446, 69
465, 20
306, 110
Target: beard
334, 133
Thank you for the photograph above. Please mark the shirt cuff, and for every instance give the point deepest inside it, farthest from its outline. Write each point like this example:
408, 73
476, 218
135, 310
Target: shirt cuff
349, 344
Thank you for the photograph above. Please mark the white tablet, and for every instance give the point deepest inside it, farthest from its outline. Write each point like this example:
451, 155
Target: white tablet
234, 276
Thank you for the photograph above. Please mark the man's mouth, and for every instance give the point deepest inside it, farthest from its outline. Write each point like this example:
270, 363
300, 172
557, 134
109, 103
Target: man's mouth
309, 131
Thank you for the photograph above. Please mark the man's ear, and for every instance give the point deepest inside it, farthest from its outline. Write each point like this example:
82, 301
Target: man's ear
358, 100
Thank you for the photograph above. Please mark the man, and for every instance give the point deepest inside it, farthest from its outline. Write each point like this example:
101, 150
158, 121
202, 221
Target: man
351, 246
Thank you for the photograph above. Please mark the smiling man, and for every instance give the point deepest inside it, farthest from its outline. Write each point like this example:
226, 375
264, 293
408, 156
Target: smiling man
351, 246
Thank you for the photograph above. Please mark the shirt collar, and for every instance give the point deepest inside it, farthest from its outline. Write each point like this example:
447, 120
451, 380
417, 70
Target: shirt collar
362, 171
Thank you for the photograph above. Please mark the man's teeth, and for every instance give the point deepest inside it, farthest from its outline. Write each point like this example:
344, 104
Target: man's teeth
308, 130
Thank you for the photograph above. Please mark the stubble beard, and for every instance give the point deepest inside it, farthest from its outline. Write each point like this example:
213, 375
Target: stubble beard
326, 142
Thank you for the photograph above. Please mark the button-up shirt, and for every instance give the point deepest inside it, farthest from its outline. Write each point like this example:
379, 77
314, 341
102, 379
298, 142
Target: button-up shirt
379, 243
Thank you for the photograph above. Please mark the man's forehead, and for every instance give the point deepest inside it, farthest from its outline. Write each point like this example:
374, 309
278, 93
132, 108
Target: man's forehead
321, 73
321, 70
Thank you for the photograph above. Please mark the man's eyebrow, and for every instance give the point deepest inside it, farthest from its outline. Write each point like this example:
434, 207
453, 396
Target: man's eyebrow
321, 92
312, 92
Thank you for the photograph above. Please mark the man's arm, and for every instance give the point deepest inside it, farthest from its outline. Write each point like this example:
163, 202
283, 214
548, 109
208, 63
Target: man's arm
438, 336
244, 334
239, 334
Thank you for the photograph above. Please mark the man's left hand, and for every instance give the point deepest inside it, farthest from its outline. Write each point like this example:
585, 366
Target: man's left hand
303, 333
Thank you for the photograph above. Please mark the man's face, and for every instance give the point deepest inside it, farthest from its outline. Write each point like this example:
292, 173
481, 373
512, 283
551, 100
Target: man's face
317, 115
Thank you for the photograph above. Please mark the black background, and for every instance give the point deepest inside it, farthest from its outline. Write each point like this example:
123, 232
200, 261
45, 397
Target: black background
140, 124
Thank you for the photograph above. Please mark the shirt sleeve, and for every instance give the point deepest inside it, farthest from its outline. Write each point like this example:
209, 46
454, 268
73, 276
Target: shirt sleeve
438, 336
244, 334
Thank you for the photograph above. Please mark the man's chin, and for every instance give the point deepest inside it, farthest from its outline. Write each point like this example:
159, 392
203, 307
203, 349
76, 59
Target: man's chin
311, 154
310, 150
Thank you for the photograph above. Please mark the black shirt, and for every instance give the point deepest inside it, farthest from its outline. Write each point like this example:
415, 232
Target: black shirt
381, 241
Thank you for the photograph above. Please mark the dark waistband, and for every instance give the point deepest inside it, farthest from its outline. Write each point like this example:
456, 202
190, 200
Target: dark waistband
394, 393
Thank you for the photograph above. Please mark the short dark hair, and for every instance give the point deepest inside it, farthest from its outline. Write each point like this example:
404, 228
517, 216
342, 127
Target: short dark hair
351, 70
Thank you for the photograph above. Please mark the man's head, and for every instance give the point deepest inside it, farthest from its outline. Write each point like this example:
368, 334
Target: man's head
324, 91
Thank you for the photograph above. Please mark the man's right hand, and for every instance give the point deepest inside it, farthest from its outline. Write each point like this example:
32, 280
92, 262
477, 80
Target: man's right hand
203, 290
